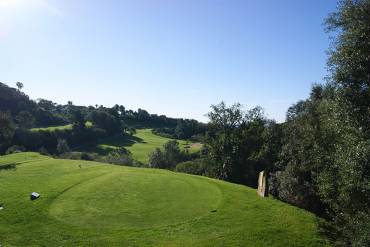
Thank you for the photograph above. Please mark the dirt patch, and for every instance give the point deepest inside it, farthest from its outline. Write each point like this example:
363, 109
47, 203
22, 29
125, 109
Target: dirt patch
196, 145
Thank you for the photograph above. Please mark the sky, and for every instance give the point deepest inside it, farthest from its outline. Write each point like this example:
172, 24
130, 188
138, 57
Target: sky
173, 57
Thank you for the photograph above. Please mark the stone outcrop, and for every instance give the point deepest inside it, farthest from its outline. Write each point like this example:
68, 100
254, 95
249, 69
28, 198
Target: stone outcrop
262, 184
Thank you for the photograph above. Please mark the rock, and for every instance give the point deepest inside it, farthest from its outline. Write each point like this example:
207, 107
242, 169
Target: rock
34, 196
262, 184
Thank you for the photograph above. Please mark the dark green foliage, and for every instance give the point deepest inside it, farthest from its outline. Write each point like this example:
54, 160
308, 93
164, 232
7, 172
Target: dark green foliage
43, 151
200, 167
18, 104
62, 146
131, 131
156, 159
344, 184
172, 153
349, 60
15, 149
19, 85
120, 156
86, 156
7, 130
302, 156
104, 120
169, 157
324, 165
78, 120
24, 119
241, 144
184, 129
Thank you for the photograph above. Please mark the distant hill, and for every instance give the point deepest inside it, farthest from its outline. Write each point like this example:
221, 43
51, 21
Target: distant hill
39, 124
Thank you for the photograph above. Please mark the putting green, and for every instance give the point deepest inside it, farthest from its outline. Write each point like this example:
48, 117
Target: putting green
132, 199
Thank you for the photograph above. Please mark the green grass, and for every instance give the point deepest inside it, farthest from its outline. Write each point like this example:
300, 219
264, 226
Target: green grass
93, 204
62, 127
140, 145
53, 128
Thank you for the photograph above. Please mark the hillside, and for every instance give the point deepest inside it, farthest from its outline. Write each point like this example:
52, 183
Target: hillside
140, 144
97, 204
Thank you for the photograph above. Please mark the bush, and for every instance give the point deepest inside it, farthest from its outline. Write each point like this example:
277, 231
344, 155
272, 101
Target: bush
43, 151
197, 167
156, 159
86, 156
70, 155
191, 167
62, 146
120, 156
15, 149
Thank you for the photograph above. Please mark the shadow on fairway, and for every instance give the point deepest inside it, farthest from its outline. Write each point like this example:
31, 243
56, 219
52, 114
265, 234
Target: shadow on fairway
8, 166
123, 141
110, 144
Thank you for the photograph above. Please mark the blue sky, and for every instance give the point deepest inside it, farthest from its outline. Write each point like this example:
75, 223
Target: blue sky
173, 57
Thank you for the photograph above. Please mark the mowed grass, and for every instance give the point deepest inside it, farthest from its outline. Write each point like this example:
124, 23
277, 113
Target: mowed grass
141, 144
53, 128
61, 127
86, 203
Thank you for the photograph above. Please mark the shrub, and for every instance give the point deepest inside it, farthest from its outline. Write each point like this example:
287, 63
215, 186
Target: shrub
120, 156
86, 156
15, 149
191, 167
201, 167
43, 151
62, 146
156, 159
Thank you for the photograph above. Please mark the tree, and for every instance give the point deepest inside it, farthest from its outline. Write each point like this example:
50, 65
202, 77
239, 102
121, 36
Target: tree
78, 120
302, 155
344, 182
19, 85
172, 154
46, 105
131, 131
106, 121
120, 156
168, 158
7, 130
62, 146
156, 159
236, 143
226, 118
349, 60
25, 119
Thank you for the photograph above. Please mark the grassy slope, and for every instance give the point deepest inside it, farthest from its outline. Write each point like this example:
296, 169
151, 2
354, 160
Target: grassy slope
53, 128
141, 144
62, 127
94, 204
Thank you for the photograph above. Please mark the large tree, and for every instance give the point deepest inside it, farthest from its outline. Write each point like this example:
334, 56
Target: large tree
240, 144
7, 130
349, 60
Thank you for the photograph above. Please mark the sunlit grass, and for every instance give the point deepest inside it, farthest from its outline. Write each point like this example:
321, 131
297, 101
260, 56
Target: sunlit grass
93, 204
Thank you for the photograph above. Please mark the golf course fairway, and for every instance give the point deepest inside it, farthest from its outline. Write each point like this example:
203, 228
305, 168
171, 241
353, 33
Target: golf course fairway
86, 203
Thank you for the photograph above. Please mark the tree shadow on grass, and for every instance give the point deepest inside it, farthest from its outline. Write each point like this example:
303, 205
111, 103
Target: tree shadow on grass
10, 166
110, 144
122, 141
